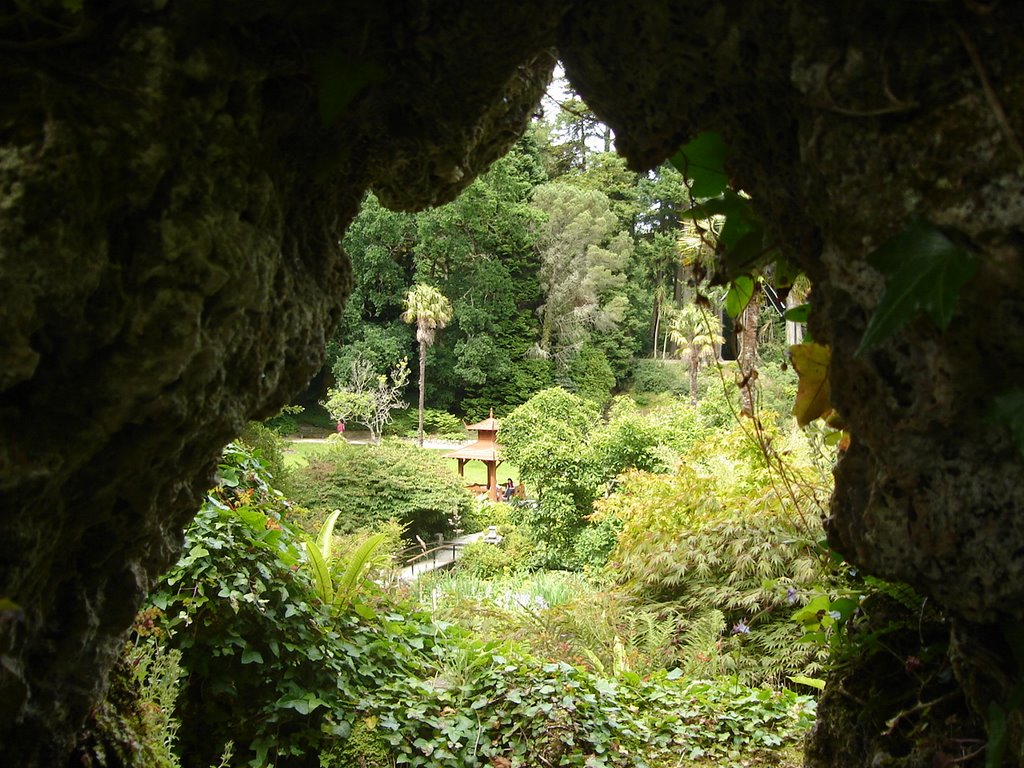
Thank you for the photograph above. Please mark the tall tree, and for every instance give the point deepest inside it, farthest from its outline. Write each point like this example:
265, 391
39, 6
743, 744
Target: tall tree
368, 397
584, 255
696, 333
429, 310
572, 137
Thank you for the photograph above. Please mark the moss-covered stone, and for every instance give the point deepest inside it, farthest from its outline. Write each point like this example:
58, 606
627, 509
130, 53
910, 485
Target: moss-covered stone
175, 179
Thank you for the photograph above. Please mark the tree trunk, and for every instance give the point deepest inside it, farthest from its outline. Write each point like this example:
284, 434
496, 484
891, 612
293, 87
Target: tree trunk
747, 357
423, 386
657, 324
694, 362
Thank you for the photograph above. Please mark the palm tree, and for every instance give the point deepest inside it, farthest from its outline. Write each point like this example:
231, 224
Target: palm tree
430, 310
697, 332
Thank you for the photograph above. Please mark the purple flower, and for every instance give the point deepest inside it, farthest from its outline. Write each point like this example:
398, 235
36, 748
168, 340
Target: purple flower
739, 628
791, 596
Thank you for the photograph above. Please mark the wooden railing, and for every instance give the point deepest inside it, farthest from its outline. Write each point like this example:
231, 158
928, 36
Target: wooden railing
419, 553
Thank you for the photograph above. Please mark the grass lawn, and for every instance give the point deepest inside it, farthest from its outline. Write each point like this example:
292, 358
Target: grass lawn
476, 472
297, 454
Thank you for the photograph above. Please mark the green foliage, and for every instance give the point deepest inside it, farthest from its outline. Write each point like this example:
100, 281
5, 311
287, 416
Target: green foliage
679, 425
593, 544
339, 581
923, 270
268, 447
584, 256
629, 440
702, 163
268, 668
741, 291
477, 250
570, 456
555, 523
292, 684
743, 243
591, 375
383, 346
544, 436
374, 484
436, 423
487, 702
286, 422
486, 561
715, 536
135, 723
719, 400
655, 376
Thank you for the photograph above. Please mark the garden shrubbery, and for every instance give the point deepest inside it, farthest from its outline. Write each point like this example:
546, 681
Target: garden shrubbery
280, 678
716, 542
392, 481
438, 424
651, 377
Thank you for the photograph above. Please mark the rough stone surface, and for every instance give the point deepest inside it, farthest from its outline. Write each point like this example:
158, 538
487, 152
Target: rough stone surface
174, 186
174, 183
845, 123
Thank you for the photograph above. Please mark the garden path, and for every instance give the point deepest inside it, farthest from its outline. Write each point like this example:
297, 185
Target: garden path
363, 438
440, 558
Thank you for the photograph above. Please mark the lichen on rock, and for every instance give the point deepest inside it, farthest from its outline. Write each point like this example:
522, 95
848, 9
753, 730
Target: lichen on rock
175, 180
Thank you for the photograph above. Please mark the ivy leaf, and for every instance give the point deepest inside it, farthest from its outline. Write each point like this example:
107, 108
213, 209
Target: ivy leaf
923, 270
798, 314
743, 242
814, 393
813, 682
741, 291
702, 163
1008, 409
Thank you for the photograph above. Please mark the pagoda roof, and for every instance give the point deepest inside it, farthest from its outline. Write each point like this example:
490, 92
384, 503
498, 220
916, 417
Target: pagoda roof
483, 452
490, 424
485, 448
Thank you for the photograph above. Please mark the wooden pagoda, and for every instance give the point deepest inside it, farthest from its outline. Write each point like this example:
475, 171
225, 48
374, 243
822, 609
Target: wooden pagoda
485, 449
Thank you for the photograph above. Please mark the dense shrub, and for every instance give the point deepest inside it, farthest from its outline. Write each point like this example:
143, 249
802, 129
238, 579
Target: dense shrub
719, 395
268, 447
269, 668
714, 539
284, 424
439, 424
590, 375
629, 440
484, 560
655, 376
292, 683
372, 484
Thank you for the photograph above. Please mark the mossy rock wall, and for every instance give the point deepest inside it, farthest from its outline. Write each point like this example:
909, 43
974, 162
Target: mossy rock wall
175, 179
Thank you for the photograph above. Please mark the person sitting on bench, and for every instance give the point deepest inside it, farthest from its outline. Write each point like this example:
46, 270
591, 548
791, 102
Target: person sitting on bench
510, 489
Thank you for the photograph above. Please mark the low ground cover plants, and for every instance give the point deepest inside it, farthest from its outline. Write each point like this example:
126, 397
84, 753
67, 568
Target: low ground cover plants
273, 675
